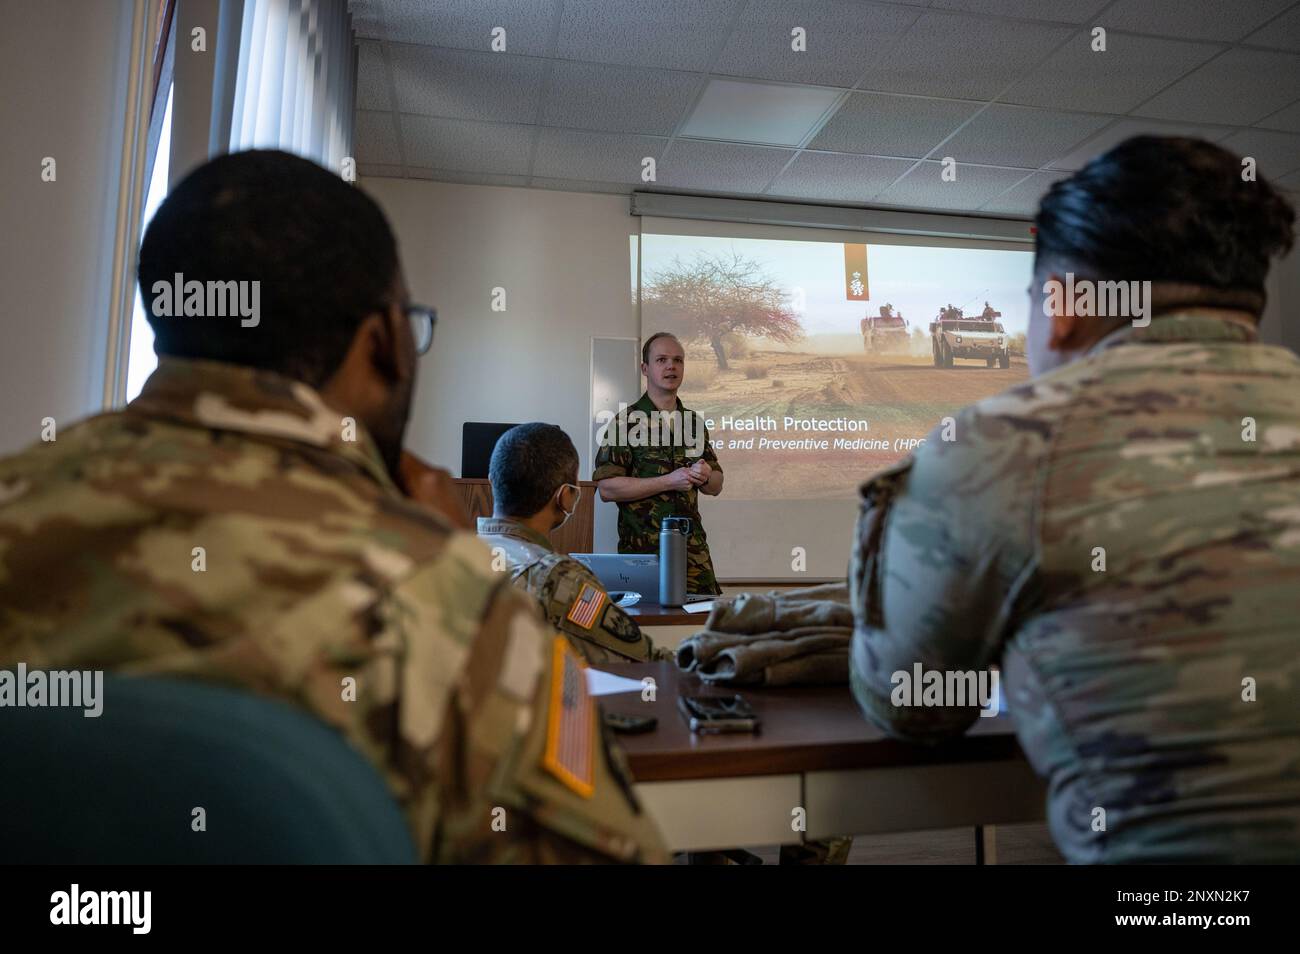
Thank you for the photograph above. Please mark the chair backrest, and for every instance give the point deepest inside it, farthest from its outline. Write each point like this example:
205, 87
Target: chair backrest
275, 784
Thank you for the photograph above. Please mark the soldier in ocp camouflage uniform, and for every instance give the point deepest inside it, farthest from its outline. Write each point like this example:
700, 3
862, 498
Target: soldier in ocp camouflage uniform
651, 481
240, 524
1121, 533
534, 473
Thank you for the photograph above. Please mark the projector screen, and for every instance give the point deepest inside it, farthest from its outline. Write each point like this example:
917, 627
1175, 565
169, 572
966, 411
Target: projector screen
819, 357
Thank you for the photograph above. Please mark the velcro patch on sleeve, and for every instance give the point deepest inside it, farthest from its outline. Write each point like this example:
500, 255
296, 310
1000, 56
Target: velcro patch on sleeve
587, 606
571, 737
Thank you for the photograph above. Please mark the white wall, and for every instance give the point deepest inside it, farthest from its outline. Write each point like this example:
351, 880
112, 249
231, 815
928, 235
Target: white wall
63, 69
563, 260
1281, 322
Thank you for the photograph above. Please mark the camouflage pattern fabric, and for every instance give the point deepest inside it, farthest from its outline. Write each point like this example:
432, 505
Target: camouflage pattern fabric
558, 584
638, 520
314, 571
817, 851
1129, 684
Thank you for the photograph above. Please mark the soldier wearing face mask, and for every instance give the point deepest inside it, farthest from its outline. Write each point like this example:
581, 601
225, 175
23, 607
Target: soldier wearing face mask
534, 475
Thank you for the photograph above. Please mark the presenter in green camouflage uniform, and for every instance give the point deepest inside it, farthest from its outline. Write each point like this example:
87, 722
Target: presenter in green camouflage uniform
1121, 533
655, 471
534, 473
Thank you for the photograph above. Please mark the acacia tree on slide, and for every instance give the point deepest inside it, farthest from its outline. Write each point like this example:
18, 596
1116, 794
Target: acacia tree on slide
712, 296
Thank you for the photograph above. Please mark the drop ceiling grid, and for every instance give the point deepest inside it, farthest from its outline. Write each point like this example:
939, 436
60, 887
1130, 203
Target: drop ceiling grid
631, 71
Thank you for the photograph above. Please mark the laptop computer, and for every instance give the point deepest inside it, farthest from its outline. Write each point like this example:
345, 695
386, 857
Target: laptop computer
630, 573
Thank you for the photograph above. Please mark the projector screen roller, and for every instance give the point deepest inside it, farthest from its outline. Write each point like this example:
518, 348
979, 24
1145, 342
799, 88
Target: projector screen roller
817, 363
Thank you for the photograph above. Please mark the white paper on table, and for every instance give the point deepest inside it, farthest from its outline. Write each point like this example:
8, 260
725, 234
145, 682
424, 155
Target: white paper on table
607, 684
703, 606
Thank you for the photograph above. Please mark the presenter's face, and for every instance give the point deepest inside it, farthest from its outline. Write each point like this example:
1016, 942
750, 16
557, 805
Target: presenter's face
667, 365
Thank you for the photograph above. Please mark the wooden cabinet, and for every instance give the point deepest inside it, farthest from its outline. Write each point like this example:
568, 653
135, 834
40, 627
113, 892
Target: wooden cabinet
574, 537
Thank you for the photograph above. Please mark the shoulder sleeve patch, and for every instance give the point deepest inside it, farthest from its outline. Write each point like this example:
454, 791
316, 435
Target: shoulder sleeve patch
587, 606
620, 624
571, 728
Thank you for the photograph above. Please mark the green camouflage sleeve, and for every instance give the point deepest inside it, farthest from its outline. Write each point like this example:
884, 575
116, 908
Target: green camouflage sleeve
526, 773
940, 563
612, 460
576, 603
710, 457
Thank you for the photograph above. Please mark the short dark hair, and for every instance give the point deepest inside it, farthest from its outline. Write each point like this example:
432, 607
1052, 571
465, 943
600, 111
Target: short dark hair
321, 249
529, 463
1166, 209
645, 348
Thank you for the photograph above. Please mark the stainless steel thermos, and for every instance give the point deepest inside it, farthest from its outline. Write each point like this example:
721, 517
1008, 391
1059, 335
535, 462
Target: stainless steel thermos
673, 533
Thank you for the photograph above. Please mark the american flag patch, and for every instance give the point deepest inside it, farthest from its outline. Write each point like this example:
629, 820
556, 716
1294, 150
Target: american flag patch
571, 725
587, 606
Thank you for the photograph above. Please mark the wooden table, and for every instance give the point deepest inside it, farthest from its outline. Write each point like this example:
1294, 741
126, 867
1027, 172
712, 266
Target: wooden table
816, 752
666, 625
656, 614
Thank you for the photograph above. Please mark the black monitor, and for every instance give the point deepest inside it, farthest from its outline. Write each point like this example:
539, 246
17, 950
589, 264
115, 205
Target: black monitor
477, 440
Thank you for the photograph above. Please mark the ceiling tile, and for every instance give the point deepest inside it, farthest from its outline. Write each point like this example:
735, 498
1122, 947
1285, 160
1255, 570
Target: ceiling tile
1023, 198
1284, 32
603, 157
886, 125
1193, 19
581, 185
367, 18
923, 188
377, 170
617, 98
459, 84
1238, 88
720, 166
1126, 128
468, 178
468, 26
840, 36
961, 57
1067, 11
1277, 153
375, 138
466, 146
1019, 136
772, 114
1287, 119
672, 34
1131, 69
372, 77
817, 175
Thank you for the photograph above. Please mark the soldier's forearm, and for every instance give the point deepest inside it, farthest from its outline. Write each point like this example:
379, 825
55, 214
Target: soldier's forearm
624, 489
713, 486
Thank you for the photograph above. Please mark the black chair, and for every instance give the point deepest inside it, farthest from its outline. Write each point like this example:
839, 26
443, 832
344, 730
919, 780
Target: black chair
277, 785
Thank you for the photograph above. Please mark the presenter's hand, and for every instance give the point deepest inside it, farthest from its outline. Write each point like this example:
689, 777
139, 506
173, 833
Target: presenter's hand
702, 468
433, 487
683, 478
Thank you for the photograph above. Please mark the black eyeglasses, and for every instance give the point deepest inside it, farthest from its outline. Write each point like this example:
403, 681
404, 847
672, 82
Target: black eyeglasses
422, 321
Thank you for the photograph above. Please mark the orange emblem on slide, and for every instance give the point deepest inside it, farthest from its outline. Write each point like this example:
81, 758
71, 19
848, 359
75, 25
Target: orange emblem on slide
571, 723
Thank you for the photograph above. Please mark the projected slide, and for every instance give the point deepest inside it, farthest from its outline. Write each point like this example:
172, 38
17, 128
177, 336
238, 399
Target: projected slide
816, 364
